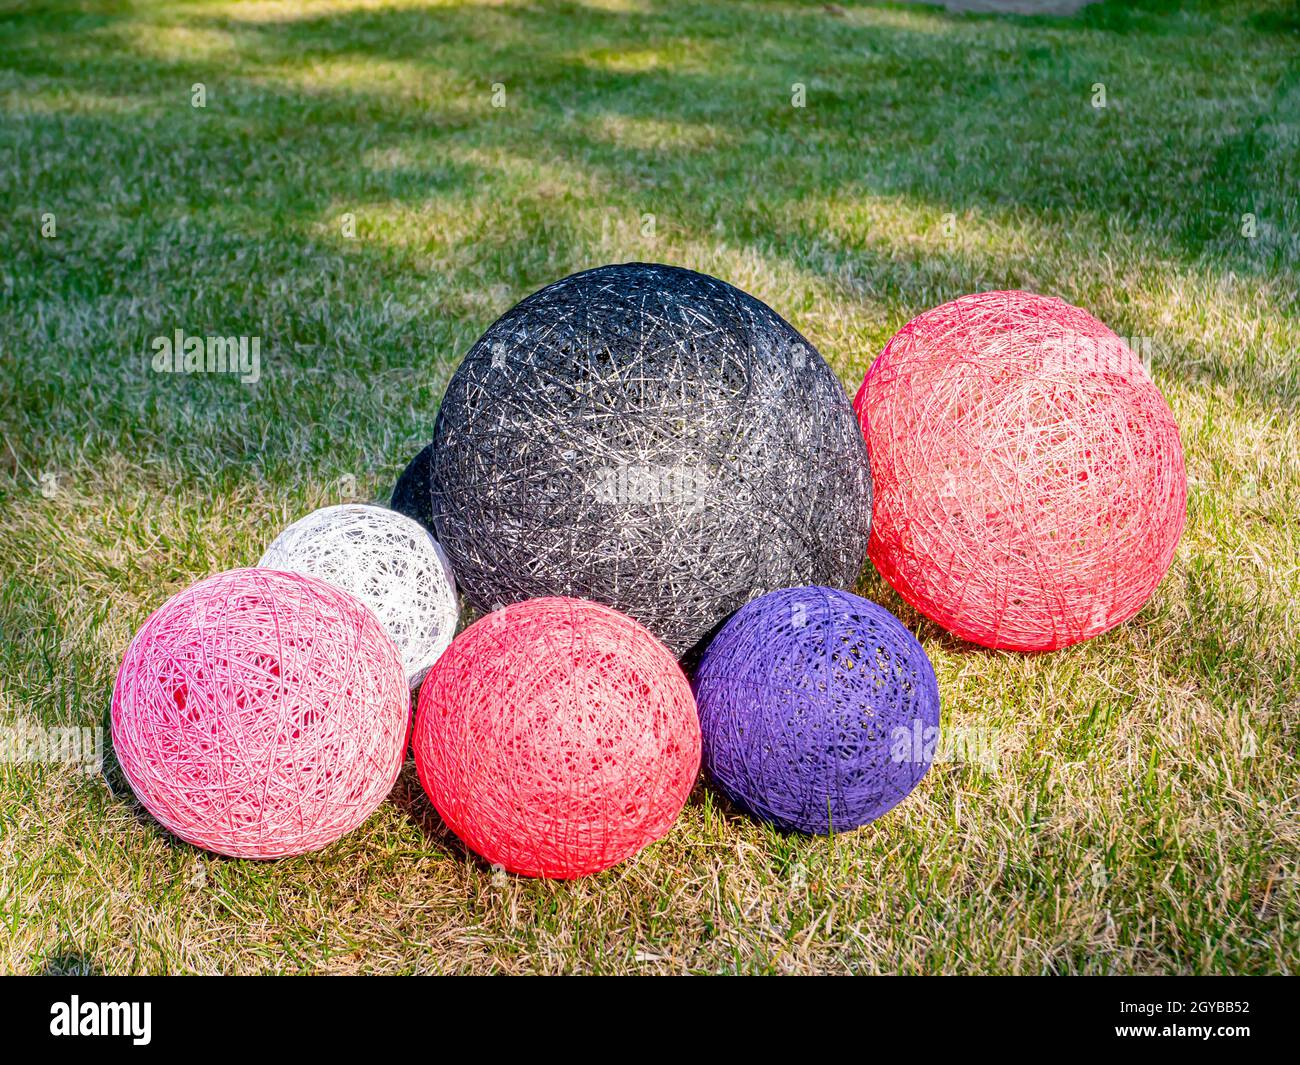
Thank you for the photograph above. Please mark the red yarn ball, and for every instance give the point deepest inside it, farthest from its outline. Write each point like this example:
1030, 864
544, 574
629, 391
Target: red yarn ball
259, 713
1029, 478
557, 737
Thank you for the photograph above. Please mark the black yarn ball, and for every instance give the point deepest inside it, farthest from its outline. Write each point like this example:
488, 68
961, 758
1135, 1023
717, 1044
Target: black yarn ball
411, 492
653, 439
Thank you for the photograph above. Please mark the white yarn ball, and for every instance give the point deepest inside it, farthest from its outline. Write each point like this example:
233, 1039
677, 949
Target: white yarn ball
389, 562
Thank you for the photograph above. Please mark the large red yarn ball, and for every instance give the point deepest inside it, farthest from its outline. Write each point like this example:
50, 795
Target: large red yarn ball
557, 737
1029, 477
260, 713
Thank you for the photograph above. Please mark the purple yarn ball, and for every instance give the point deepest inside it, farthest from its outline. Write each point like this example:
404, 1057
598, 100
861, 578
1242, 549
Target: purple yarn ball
819, 710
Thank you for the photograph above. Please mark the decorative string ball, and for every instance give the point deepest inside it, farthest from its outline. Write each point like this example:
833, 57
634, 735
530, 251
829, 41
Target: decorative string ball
1029, 477
653, 439
259, 714
557, 737
386, 560
411, 493
819, 710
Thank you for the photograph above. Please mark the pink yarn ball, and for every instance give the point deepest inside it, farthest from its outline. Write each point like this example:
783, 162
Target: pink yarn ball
259, 713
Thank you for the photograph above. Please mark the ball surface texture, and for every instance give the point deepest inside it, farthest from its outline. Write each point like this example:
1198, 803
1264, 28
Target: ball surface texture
1029, 477
260, 714
411, 493
557, 737
649, 438
819, 710
386, 560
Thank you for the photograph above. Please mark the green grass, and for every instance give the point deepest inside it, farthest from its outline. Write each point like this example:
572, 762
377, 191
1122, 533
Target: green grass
1141, 815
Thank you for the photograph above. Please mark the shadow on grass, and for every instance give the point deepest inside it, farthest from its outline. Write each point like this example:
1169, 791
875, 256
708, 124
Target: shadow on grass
225, 219
409, 797
966, 114
69, 963
228, 215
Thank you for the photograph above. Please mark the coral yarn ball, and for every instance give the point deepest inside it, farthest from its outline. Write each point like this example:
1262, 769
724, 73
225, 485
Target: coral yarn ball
819, 710
652, 439
557, 737
259, 714
386, 560
1029, 477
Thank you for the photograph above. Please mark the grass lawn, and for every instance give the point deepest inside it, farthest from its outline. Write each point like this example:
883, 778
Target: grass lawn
351, 195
